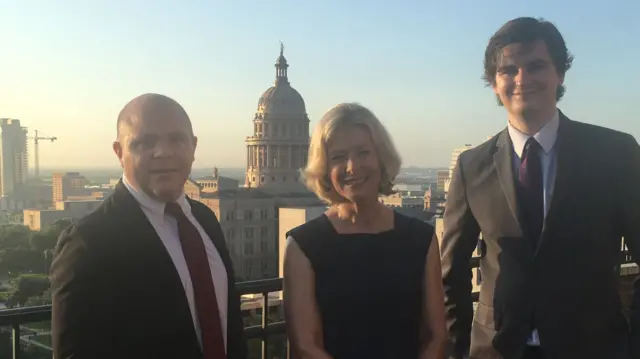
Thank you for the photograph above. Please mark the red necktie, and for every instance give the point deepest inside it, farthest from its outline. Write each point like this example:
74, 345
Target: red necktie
204, 292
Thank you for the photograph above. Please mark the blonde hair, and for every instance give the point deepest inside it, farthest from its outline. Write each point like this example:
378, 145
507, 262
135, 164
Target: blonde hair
339, 117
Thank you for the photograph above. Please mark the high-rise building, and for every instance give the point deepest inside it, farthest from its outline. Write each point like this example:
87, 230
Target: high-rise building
454, 159
68, 184
14, 156
443, 176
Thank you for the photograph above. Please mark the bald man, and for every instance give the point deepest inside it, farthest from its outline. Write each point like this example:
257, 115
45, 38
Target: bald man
148, 274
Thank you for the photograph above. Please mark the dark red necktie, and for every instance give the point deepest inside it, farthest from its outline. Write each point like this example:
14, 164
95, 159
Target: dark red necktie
530, 194
203, 290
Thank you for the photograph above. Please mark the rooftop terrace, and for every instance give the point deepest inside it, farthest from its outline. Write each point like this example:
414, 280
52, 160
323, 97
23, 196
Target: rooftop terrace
25, 331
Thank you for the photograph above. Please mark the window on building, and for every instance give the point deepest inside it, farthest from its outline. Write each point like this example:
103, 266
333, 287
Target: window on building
264, 247
248, 248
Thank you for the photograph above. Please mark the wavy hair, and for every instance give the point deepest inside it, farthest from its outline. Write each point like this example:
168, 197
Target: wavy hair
341, 116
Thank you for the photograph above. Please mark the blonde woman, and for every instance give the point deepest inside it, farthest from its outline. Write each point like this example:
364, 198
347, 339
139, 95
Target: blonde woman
361, 281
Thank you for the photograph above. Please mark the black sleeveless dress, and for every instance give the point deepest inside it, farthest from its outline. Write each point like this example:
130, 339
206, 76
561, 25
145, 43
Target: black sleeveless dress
369, 287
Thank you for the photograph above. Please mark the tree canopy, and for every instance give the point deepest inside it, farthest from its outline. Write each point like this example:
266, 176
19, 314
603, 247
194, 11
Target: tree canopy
24, 251
25, 259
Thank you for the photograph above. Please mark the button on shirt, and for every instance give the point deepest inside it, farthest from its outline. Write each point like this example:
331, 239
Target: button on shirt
167, 229
546, 137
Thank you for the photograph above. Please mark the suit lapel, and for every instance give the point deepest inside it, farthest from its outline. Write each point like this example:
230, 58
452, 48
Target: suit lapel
152, 254
503, 162
566, 154
137, 227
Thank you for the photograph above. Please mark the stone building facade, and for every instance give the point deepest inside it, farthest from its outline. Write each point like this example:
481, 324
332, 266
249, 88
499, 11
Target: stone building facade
276, 152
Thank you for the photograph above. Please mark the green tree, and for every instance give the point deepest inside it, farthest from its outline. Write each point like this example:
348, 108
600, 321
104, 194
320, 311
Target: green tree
48, 259
58, 226
27, 287
43, 240
24, 251
13, 262
42, 299
26, 256
14, 236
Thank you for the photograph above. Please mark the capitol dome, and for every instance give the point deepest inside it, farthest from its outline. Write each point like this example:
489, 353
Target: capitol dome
279, 145
281, 98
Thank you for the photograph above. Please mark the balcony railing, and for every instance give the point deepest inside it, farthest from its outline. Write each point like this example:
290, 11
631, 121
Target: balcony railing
266, 331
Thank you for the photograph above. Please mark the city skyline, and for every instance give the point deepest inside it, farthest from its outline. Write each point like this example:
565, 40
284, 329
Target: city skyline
417, 66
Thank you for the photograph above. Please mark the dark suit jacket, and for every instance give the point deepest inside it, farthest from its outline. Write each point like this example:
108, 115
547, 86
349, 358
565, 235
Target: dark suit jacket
566, 286
116, 292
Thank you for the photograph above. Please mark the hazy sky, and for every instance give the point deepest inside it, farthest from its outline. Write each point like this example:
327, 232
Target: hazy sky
68, 67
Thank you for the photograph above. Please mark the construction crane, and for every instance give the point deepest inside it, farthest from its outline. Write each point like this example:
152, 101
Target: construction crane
36, 140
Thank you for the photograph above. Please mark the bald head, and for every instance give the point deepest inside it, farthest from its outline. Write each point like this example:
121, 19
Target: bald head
150, 107
155, 145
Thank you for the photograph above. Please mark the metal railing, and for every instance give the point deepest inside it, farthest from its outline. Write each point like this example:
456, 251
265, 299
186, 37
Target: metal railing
15, 318
265, 330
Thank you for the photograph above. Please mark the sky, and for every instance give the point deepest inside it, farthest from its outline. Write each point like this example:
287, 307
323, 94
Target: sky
68, 67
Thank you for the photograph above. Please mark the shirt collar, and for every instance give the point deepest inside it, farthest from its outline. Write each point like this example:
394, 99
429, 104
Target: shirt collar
546, 137
155, 207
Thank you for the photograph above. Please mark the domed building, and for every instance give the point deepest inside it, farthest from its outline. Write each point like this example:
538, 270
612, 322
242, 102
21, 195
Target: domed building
277, 150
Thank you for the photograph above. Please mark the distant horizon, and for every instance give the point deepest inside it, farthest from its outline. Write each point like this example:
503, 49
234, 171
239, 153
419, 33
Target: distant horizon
103, 174
197, 168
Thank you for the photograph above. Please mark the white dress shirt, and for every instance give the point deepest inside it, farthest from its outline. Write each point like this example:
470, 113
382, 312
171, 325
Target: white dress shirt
546, 137
167, 229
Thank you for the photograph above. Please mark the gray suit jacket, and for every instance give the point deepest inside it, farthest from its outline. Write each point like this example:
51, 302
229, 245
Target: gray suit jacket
566, 287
